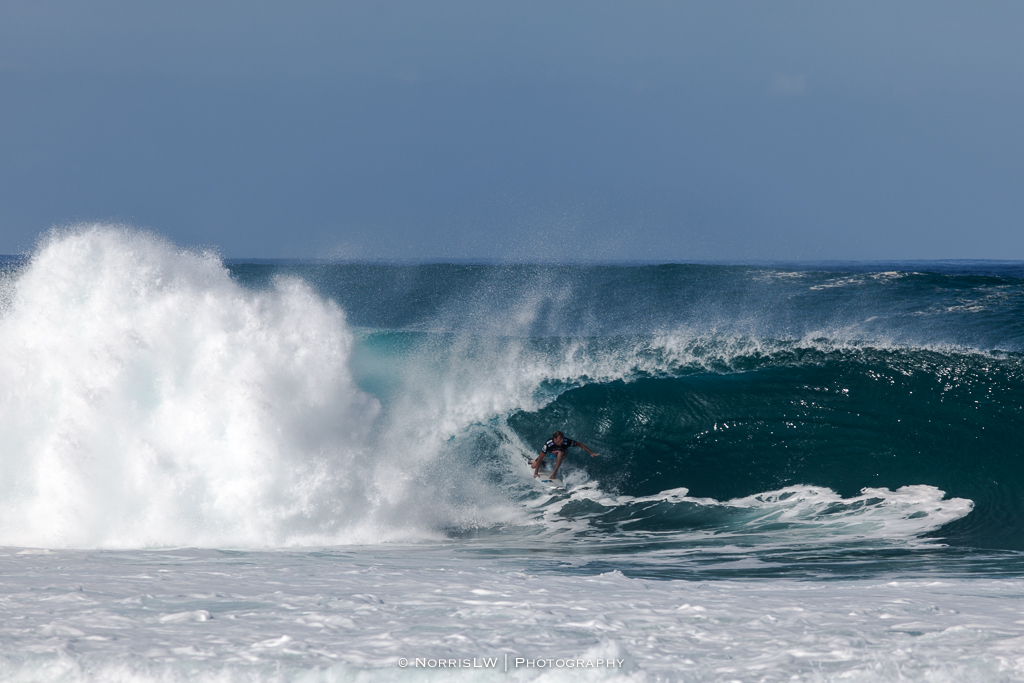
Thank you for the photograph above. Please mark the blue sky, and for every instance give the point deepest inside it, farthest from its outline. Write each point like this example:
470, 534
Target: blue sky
525, 131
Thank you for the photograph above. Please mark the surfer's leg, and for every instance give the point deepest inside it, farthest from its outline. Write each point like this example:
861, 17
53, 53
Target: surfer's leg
558, 463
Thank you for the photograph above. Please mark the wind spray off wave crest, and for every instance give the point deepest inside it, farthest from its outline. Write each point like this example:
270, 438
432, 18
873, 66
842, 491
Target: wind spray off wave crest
147, 399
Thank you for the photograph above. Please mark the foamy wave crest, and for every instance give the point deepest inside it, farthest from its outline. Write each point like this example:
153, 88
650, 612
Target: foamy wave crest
794, 515
147, 399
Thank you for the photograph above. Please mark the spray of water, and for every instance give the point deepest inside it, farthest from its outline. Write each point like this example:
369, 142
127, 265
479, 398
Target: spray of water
145, 398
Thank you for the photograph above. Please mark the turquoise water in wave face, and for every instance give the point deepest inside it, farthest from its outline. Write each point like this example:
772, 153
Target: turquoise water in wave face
308, 471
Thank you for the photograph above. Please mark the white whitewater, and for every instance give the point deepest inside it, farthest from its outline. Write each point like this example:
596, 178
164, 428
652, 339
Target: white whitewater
212, 617
147, 399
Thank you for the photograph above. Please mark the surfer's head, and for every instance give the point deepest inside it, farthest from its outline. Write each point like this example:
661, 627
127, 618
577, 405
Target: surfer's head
557, 437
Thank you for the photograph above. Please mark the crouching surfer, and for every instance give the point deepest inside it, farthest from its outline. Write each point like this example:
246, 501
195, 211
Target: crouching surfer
556, 447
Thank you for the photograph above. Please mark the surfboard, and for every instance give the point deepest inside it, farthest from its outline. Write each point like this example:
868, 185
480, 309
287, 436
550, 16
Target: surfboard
547, 480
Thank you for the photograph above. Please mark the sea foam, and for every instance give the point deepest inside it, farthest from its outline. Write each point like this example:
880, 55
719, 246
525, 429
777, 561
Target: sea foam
148, 399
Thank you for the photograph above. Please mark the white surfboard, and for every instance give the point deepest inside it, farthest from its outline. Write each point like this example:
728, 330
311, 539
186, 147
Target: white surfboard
548, 480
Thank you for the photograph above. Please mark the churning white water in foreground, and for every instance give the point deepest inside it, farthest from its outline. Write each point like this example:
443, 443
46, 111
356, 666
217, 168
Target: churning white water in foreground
417, 613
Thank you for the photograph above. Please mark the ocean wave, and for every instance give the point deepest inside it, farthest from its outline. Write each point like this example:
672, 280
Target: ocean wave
152, 396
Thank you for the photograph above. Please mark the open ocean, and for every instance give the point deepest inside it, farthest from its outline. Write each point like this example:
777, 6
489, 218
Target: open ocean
307, 471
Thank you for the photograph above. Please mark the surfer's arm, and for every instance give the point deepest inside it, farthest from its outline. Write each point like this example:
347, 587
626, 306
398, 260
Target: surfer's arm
584, 447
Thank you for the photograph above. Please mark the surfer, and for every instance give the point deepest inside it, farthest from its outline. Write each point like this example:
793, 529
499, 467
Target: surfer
557, 445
